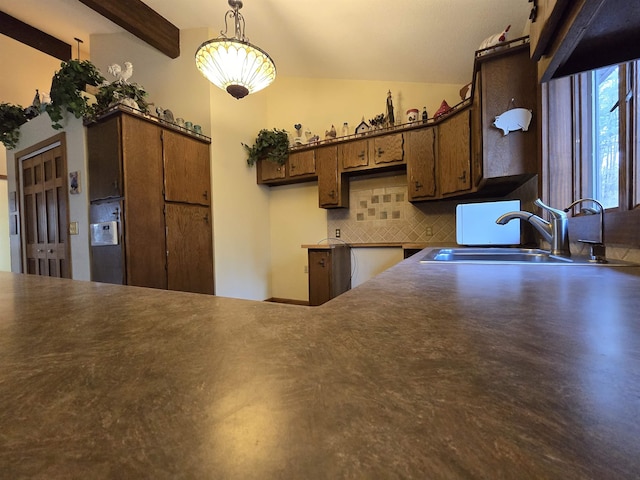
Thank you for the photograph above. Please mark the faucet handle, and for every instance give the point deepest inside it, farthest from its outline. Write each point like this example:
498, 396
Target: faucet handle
554, 212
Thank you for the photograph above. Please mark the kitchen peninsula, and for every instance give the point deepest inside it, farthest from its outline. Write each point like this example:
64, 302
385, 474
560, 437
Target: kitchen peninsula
425, 371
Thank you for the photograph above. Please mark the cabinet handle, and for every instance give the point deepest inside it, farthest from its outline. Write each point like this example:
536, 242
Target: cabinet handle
321, 262
332, 193
115, 185
533, 15
39, 250
292, 166
205, 194
361, 154
206, 219
463, 177
380, 151
50, 250
418, 185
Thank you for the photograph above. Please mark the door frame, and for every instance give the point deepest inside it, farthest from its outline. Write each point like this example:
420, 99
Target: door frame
58, 140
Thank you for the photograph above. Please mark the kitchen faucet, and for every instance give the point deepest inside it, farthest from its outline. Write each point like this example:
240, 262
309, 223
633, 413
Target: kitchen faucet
597, 249
554, 232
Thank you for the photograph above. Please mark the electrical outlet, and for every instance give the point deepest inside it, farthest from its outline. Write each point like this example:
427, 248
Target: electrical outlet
337, 233
73, 228
429, 231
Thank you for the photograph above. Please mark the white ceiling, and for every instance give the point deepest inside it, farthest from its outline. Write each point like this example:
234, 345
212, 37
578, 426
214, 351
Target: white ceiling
431, 41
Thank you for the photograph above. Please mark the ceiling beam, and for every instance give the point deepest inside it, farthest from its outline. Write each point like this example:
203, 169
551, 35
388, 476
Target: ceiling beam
24, 33
142, 21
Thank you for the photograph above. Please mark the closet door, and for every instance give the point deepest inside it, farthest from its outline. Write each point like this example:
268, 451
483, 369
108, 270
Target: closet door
44, 232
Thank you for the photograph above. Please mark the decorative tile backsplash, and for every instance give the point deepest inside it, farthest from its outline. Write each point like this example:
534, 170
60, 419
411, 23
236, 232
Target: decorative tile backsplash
379, 212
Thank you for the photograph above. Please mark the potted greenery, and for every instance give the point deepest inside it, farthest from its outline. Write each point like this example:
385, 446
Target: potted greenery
270, 145
11, 117
116, 92
66, 90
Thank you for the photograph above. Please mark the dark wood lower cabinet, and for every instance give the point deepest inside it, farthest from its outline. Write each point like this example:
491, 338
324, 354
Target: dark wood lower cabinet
329, 272
189, 248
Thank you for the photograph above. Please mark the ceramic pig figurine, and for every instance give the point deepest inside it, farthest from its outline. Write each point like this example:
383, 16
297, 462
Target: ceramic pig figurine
514, 119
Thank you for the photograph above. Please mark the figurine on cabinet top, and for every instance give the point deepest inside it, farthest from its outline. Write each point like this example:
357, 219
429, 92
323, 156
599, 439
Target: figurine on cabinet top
330, 134
390, 117
362, 127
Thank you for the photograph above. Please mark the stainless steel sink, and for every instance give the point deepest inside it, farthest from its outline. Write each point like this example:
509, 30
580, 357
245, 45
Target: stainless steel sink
518, 256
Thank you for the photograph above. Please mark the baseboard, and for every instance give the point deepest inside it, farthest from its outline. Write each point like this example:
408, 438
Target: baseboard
288, 301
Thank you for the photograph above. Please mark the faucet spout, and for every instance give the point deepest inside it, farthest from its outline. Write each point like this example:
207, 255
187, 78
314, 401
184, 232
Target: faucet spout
554, 232
542, 226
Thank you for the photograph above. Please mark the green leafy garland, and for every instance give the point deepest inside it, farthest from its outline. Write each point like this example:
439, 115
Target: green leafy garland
11, 117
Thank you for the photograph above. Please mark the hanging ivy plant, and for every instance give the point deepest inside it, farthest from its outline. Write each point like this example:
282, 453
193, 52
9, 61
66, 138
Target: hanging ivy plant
11, 117
66, 87
270, 145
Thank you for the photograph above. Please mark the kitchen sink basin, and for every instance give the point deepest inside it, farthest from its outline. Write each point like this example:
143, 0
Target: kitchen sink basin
518, 256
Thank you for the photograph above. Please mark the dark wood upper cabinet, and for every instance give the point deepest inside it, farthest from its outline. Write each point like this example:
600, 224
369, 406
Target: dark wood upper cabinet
302, 163
352, 155
453, 163
420, 154
581, 35
186, 169
333, 189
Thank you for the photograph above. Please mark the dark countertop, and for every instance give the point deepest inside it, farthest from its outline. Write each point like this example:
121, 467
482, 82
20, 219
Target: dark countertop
425, 371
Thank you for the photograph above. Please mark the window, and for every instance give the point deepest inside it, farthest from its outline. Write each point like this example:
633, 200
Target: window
604, 168
591, 139
605, 113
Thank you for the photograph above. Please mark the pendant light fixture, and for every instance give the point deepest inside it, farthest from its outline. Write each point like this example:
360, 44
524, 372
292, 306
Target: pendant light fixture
232, 63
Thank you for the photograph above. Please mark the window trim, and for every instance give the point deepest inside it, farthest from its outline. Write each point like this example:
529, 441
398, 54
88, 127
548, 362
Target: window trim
564, 147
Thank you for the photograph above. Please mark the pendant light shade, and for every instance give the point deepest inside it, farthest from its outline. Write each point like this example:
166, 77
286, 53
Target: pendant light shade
233, 64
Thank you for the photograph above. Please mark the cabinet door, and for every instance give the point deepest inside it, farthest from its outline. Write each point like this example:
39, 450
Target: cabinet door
104, 160
189, 248
454, 154
143, 203
508, 76
269, 171
333, 190
421, 163
353, 155
386, 149
302, 163
319, 276
186, 169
